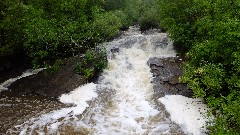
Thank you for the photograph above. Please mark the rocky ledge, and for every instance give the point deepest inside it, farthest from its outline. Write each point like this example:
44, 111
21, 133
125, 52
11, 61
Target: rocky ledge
48, 84
166, 73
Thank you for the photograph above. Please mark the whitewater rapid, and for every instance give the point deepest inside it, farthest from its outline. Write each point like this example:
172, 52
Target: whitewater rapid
121, 102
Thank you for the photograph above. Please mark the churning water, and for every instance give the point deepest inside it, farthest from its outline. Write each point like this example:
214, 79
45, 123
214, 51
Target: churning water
122, 102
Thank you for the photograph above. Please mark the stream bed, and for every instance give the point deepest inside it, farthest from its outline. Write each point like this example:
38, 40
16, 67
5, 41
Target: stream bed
131, 97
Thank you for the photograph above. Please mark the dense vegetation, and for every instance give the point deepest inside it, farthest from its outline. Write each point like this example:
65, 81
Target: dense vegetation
45, 31
48, 30
207, 32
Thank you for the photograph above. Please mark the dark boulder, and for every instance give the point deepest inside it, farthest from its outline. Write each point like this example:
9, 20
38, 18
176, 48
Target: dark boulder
166, 73
50, 84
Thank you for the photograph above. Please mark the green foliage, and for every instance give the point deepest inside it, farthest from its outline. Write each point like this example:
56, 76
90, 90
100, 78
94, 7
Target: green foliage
12, 35
106, 25
178, 18
53, 28
10, 27
133, 10
228, 120
206, 80
55, 67
208, 33
93, 62
47, 30
149, 16
111, 5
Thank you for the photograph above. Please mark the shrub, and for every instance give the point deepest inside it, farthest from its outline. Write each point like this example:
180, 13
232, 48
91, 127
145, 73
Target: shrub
133, 10
52, 29
106, 25
94, 61
55, 67
178, 17
149, 15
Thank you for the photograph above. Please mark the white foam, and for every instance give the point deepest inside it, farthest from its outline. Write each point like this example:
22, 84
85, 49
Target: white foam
50, 121
189, 113
29, 72
79, 97
128, 75
5, 105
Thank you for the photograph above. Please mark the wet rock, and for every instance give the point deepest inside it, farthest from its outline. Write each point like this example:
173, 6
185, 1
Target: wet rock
115, 50
12, 65
174, 79
129, 42
161, 43
165, 79
13, 72
181, 86
160, 88
166, 73
151, 31
47, 84
154, 62
155, 72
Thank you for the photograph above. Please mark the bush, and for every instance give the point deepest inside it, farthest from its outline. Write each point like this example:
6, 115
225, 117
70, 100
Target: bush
55, 67
133, 11
53, 29
227, 120
178, 17
94, 61
49, 30
106, 25
11, 27
111, 5
150, 16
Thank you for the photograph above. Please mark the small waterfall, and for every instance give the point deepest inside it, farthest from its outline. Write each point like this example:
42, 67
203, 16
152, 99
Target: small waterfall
125, 104
121, 102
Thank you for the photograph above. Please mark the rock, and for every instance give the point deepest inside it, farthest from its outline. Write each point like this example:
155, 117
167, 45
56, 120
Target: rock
160, 88
151, 31
155, 72
166, 72
154, 62
50, 85
129, 42
165, 80
115, 50
174, 80
160, 43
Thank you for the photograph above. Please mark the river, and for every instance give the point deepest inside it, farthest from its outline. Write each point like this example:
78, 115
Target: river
122, 101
